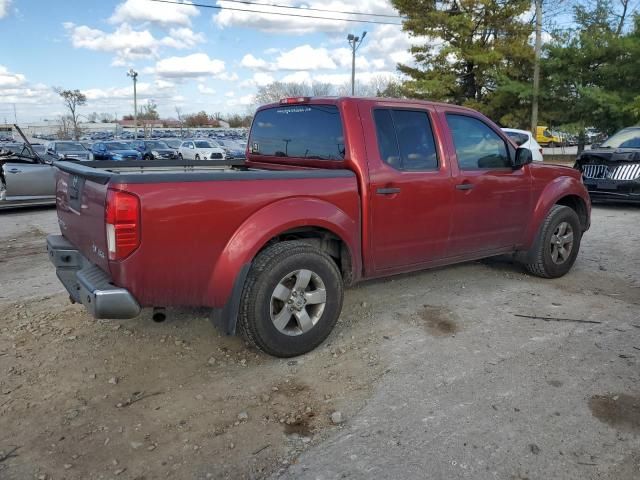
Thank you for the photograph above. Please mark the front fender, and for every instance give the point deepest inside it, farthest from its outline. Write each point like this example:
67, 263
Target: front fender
270, 221
555, 190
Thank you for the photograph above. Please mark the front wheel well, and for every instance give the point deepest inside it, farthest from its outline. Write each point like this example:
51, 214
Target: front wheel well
324, 240
579, 206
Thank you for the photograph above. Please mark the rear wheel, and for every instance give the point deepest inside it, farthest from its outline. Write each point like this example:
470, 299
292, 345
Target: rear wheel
558, 244
292, 299
197, 157
180, 157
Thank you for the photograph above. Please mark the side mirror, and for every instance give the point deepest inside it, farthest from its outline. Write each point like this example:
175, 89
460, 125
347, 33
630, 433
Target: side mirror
595, 146
523, 157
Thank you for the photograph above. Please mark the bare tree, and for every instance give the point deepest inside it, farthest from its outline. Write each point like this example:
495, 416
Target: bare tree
72, 99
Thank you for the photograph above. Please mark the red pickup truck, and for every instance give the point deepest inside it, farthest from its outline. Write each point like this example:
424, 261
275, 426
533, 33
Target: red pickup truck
334, 191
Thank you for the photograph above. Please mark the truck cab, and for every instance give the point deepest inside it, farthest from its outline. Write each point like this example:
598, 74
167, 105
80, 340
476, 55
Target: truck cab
546, 138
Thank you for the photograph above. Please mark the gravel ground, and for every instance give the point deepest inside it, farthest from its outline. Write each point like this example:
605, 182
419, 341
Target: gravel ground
428, 375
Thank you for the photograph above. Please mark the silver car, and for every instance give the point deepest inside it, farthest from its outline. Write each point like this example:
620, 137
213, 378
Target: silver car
26, 180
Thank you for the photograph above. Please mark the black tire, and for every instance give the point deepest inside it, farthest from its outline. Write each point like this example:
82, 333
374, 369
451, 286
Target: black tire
180, 157
148, 157
197, 157
268, 270
544, 265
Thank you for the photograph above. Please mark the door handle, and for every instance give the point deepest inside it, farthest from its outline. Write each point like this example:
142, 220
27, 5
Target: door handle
15, 170
388, 191
464, 186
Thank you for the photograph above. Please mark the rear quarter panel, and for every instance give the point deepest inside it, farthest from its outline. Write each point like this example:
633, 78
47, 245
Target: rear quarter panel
196, 236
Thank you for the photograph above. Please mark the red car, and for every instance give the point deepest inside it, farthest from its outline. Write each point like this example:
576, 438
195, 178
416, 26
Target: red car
334, 191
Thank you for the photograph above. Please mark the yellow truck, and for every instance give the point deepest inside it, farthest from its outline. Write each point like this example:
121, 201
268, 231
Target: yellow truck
547, 139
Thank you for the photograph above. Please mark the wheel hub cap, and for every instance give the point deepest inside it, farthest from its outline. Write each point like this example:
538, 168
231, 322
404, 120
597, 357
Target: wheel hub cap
561, 243
298, 302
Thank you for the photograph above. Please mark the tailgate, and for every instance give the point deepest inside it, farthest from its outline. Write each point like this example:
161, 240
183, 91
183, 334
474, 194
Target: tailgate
80, 201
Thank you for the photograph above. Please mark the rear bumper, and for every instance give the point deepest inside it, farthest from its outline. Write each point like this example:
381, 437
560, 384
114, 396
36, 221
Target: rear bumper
88, 284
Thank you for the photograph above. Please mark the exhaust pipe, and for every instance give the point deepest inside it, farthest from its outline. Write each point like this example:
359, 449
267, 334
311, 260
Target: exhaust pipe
159, 314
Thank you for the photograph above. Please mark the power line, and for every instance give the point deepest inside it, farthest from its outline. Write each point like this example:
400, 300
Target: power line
218, 7
313, 9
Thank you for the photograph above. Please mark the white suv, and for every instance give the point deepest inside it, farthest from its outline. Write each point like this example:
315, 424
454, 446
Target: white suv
200, 149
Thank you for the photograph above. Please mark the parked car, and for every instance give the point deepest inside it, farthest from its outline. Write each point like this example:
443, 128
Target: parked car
611, 171
523, 138
68, 150
232, 148
173, 143
27, 178
334, 191
200, 149
114, 151
154, 150
547, 138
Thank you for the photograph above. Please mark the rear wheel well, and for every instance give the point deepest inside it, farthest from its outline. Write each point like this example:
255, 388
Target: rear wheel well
324, 240
578, 205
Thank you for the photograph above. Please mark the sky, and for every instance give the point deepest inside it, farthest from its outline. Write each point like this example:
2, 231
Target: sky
187, 57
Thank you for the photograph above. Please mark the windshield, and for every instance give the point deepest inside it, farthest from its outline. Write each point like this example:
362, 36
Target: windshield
157, 145
626, 138
302, 131
173, 143
201, 144
70, 147
117, 146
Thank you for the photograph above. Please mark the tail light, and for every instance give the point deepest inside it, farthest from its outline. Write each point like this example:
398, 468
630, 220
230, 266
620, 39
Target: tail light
294, 100
122, 217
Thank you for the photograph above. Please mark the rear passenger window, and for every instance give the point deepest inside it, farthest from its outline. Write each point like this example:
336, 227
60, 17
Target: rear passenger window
405, 139
477, 145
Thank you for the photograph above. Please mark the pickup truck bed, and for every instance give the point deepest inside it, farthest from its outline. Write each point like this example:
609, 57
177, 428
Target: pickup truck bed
184, 209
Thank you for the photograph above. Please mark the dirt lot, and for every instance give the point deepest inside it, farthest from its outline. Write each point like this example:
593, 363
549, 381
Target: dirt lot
433, 374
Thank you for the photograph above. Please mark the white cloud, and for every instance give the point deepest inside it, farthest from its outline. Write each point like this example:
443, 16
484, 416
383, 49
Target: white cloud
244, 101
202, 88
194, 65
163, 14
10, 80
260, 79
390, 44
182, 37
229, 77
343, 57
129, 44
305, 57
230, 94
297, 77
145, 90
4, 8
249, 61
328, 21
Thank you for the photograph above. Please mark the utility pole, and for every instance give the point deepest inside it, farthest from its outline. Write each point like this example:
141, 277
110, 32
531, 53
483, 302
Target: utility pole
536, 69
354, 42
134, 75
15, 115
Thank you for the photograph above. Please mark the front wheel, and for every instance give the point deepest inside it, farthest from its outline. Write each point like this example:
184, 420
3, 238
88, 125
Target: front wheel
197, 157
180, 157
291, 300
558, 244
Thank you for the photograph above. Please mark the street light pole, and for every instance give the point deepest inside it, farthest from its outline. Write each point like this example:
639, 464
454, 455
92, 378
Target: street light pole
134, 75
354, 43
